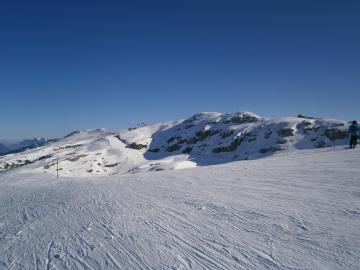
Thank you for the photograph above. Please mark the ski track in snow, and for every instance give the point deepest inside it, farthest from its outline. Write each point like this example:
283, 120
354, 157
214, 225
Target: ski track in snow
296, 211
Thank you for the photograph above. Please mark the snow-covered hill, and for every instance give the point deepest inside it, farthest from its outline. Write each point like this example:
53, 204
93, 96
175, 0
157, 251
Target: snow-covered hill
203, 139
294, 210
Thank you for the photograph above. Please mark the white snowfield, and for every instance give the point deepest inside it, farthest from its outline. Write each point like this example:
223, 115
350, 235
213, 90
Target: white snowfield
294, 210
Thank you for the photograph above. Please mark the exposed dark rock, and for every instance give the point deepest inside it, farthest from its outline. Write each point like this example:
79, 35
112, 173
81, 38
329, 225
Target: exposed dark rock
44, 157
230, 148
303, 116
286, 132
335, 134
47, 166
187, 150
112, 165
338, 125
249, 137
202, 135
173, 147
9, 166
282, 141
72, 133
192, 140
303, 124
173, 139
137, 146
242, 118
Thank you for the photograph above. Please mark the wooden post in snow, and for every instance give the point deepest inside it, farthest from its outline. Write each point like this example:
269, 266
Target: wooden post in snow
57, 167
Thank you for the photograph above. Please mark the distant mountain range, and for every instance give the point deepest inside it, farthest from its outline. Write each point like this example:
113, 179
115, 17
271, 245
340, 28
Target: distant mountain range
8, 148
3, 149
203, 139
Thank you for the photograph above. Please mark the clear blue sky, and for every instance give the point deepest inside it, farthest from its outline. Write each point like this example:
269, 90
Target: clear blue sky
67, 65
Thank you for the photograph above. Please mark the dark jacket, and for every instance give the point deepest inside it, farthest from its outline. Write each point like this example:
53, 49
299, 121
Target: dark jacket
353, 130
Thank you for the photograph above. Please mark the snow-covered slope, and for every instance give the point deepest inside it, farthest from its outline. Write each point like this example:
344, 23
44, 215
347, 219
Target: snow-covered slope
203, 139
294, 210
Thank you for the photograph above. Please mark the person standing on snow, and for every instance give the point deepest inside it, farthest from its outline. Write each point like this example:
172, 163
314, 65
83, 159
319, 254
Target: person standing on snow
353, 131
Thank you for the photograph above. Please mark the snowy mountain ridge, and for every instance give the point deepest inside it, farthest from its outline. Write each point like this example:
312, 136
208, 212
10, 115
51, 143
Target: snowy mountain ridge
22, 145
203, 139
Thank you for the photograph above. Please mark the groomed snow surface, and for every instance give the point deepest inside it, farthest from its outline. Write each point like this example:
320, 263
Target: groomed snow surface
294, 211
